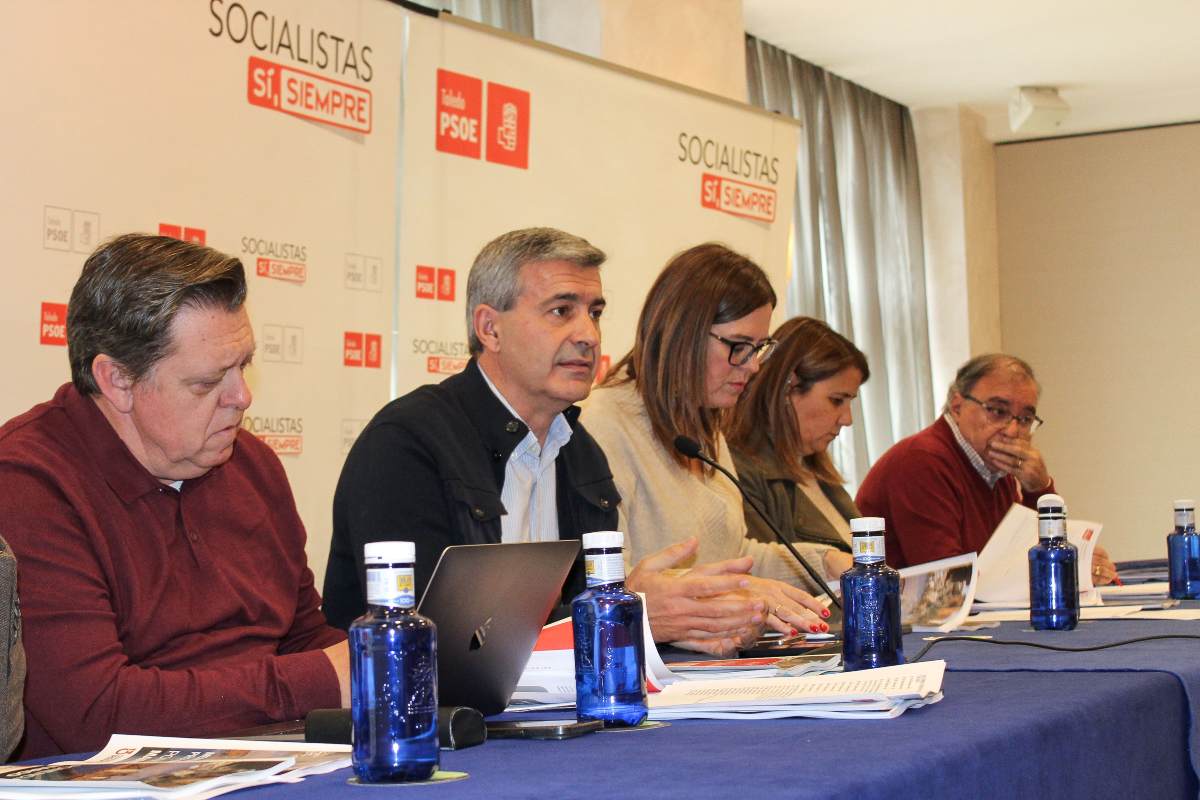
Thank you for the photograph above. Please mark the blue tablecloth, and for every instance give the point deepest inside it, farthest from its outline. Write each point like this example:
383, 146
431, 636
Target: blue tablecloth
1121, 730
1179, 658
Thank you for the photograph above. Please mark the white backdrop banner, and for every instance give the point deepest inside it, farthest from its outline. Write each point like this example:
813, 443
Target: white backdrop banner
355, 157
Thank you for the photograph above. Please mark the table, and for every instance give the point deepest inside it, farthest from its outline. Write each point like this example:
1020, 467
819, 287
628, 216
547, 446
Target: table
1014, 723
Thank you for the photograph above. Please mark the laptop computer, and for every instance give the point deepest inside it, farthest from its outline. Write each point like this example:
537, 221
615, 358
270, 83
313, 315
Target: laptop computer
489, 602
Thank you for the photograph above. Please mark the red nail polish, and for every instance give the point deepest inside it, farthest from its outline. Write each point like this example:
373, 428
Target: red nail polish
825, 613
824, 628
795, 632
814, 629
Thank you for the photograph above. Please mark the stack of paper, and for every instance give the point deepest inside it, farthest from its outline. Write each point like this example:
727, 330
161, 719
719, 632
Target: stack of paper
881, 693
161, 767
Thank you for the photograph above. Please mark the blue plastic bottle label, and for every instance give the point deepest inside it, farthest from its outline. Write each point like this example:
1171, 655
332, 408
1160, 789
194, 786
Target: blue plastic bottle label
603, 568
391, 586
868, 549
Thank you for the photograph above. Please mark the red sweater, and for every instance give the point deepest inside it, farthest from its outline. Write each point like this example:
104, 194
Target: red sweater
148, 610
933, 501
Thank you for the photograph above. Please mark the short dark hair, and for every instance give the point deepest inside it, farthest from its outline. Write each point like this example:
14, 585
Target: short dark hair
128, 294
705, 285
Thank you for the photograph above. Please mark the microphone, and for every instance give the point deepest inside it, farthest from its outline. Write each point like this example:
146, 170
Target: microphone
691, 448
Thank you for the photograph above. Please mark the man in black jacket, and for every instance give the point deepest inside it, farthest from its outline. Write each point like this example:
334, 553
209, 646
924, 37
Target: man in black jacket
497, 453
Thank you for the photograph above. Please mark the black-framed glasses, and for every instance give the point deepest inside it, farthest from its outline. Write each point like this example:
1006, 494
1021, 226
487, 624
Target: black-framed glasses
1002, 416
740, 353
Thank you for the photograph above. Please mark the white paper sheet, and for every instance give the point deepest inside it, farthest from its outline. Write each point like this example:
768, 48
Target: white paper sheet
1004, 563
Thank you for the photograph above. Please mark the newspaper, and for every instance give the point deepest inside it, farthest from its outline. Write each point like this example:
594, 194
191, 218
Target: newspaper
157, 766
937, 596
881, 693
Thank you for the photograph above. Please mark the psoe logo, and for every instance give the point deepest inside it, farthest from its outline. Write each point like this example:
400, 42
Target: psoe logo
435, 283
183, 233
508, 126
737, 197
53, 329
307, 95
362, 349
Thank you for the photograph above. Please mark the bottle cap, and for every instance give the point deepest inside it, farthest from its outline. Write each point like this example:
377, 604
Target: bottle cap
1049, 503
389, 553
866, 525
1185, 505
603, 540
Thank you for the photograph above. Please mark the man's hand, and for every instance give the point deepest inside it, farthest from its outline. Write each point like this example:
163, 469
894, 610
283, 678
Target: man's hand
706, 608
339, 656
1018, 457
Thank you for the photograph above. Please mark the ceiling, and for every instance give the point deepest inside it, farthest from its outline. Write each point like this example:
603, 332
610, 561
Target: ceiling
1117, 63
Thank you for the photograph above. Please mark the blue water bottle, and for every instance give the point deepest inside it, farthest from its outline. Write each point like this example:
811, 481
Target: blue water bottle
1183, 553
610, 671
871, 635
393, 674
1053, 570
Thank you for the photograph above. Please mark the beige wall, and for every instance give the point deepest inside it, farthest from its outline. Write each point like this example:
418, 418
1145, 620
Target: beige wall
1099, 240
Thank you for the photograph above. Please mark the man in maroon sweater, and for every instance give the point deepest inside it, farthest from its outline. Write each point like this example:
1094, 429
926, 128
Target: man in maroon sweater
944, 490
164, 583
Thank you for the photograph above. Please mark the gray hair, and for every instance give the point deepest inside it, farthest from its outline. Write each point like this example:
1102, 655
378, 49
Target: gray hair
128, 294
495, 277
980, 367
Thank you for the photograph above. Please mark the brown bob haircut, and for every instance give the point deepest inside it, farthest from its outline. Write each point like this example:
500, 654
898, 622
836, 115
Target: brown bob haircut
809, 352
703, 286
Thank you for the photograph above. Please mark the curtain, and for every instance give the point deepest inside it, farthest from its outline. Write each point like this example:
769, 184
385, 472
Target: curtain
858, 255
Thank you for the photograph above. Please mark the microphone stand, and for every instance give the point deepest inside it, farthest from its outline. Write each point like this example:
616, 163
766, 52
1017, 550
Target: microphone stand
691, 448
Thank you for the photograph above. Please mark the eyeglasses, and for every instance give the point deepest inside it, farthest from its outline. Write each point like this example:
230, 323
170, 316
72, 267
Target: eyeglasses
740, 353
1002, 416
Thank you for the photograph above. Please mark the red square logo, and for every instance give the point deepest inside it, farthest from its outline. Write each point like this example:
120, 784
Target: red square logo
374, 355
174, 231
54, 324
445, 284
508, 126
352, 349
459, 113
426, 282
196, 235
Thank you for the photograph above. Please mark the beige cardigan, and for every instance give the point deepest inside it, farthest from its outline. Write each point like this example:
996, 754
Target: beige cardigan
663, 503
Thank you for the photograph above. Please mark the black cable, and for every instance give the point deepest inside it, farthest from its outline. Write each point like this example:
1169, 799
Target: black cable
1041, 646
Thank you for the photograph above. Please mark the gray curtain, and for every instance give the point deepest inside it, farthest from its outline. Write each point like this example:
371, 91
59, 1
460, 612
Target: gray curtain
858, 254
515, 16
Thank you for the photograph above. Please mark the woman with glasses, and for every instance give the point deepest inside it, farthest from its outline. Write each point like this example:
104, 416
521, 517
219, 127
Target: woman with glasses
701, 335
792, 411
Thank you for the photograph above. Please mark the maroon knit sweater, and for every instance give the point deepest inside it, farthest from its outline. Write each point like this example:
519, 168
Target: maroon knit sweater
933, 501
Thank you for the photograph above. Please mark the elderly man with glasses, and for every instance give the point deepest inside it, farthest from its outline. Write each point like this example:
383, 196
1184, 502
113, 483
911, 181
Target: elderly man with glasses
944, 490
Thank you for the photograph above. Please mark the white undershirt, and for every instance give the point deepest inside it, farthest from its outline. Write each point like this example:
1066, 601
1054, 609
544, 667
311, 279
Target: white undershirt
530, 484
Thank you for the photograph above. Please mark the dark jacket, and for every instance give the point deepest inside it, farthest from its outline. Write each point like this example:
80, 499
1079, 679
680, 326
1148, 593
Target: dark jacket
786, 504
429, 469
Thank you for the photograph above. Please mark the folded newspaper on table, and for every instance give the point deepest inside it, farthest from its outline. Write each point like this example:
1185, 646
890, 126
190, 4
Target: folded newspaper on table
157, 766
1004, 563
881, 693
